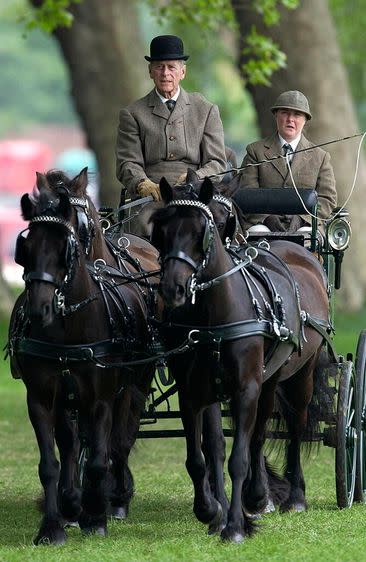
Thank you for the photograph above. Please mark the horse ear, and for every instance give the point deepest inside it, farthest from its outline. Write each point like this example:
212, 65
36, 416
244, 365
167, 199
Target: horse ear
80, 182
192, 177
27, 207
206, 191
166, 191
230, 228
41, 181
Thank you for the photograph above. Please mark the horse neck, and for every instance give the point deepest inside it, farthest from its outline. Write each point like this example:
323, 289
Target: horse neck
100, 250
219, 261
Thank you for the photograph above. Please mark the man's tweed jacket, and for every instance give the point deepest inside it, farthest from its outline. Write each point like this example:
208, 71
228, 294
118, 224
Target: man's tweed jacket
152, 142
310, 169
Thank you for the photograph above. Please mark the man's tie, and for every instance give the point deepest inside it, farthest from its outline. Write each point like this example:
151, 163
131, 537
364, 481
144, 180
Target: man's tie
170, 105
288, 151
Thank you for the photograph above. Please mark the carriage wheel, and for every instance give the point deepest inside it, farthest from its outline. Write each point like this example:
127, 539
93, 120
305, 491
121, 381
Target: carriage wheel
360, 487
346, 447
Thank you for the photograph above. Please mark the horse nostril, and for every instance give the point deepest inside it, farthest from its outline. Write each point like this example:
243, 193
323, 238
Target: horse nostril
46, 310
180, 291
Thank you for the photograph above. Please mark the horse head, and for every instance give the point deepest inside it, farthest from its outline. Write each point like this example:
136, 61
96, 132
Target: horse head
51, 250
222, 207
183, 232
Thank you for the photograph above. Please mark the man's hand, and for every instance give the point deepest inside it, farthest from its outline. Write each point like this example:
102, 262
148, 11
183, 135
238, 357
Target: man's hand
148, 187
296, 222
273, 222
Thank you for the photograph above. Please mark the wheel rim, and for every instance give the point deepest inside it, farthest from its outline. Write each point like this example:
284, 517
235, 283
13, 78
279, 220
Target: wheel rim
360, 490
346, 447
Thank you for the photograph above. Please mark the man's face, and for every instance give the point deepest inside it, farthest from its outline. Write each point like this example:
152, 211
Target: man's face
166, 75
290, 123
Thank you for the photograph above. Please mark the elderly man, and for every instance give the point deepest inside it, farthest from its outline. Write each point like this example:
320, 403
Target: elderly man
310, 169
169, 130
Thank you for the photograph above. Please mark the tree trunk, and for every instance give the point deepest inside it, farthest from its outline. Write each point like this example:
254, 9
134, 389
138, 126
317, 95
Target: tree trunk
314, 66
103, 53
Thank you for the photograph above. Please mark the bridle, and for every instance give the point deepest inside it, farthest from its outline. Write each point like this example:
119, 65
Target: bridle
71, 251
86, 232
208, 238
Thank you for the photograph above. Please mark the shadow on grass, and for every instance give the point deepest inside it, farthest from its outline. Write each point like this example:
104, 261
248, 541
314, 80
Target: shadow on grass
19, 521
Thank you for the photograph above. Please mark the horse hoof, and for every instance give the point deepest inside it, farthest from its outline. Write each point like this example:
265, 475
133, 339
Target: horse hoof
56, 540
270, 507
51, 532
119, 513
69, 524
293, 507
216, 525
230, 536
100, 531
253, 516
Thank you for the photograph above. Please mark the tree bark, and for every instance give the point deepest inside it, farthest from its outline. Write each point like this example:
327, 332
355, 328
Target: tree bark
314, 66
103, 53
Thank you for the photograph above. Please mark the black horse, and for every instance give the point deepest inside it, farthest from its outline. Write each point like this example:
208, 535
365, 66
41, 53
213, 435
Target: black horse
247, 316
81, 313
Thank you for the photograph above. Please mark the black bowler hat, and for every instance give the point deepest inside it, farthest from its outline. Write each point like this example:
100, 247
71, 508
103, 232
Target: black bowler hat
166, 47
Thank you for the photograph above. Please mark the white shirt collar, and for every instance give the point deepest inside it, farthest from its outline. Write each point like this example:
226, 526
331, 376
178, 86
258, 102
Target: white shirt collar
175, 97
293, 143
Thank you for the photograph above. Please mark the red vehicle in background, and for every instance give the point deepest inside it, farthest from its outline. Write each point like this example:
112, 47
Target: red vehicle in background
19, 162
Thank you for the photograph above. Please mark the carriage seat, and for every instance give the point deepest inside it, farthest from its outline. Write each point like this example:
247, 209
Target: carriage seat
280, 201
276, 200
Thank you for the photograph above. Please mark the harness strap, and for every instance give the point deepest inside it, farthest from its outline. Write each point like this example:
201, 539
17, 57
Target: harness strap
322, 327
70, 353
228, 332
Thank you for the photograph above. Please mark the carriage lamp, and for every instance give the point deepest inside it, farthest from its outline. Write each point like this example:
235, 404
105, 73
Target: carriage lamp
339, 232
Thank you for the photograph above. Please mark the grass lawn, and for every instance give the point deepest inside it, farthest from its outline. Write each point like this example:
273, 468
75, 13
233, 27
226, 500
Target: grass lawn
161, 526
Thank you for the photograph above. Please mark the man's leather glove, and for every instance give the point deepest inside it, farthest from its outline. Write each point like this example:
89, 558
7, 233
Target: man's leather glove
296, 222
273, 222
148, 187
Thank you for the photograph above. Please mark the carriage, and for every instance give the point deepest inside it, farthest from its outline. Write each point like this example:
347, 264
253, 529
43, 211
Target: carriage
342, 420
340, 415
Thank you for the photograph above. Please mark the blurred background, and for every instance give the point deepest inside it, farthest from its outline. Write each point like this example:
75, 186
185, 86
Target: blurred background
62, 86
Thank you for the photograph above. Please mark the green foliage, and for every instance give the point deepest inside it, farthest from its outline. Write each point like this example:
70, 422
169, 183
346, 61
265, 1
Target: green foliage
50, 15
209, 16
263, 58
269, 9
262, 55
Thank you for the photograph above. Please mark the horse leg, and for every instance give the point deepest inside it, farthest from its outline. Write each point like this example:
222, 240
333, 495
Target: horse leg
51, 530
124, 432
93, 518
296, 396
69, 494
213, 447
205, 507
243, 410
128, 408
265, 488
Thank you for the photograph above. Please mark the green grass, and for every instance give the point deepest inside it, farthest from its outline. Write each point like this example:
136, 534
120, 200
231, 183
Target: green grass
161, 526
